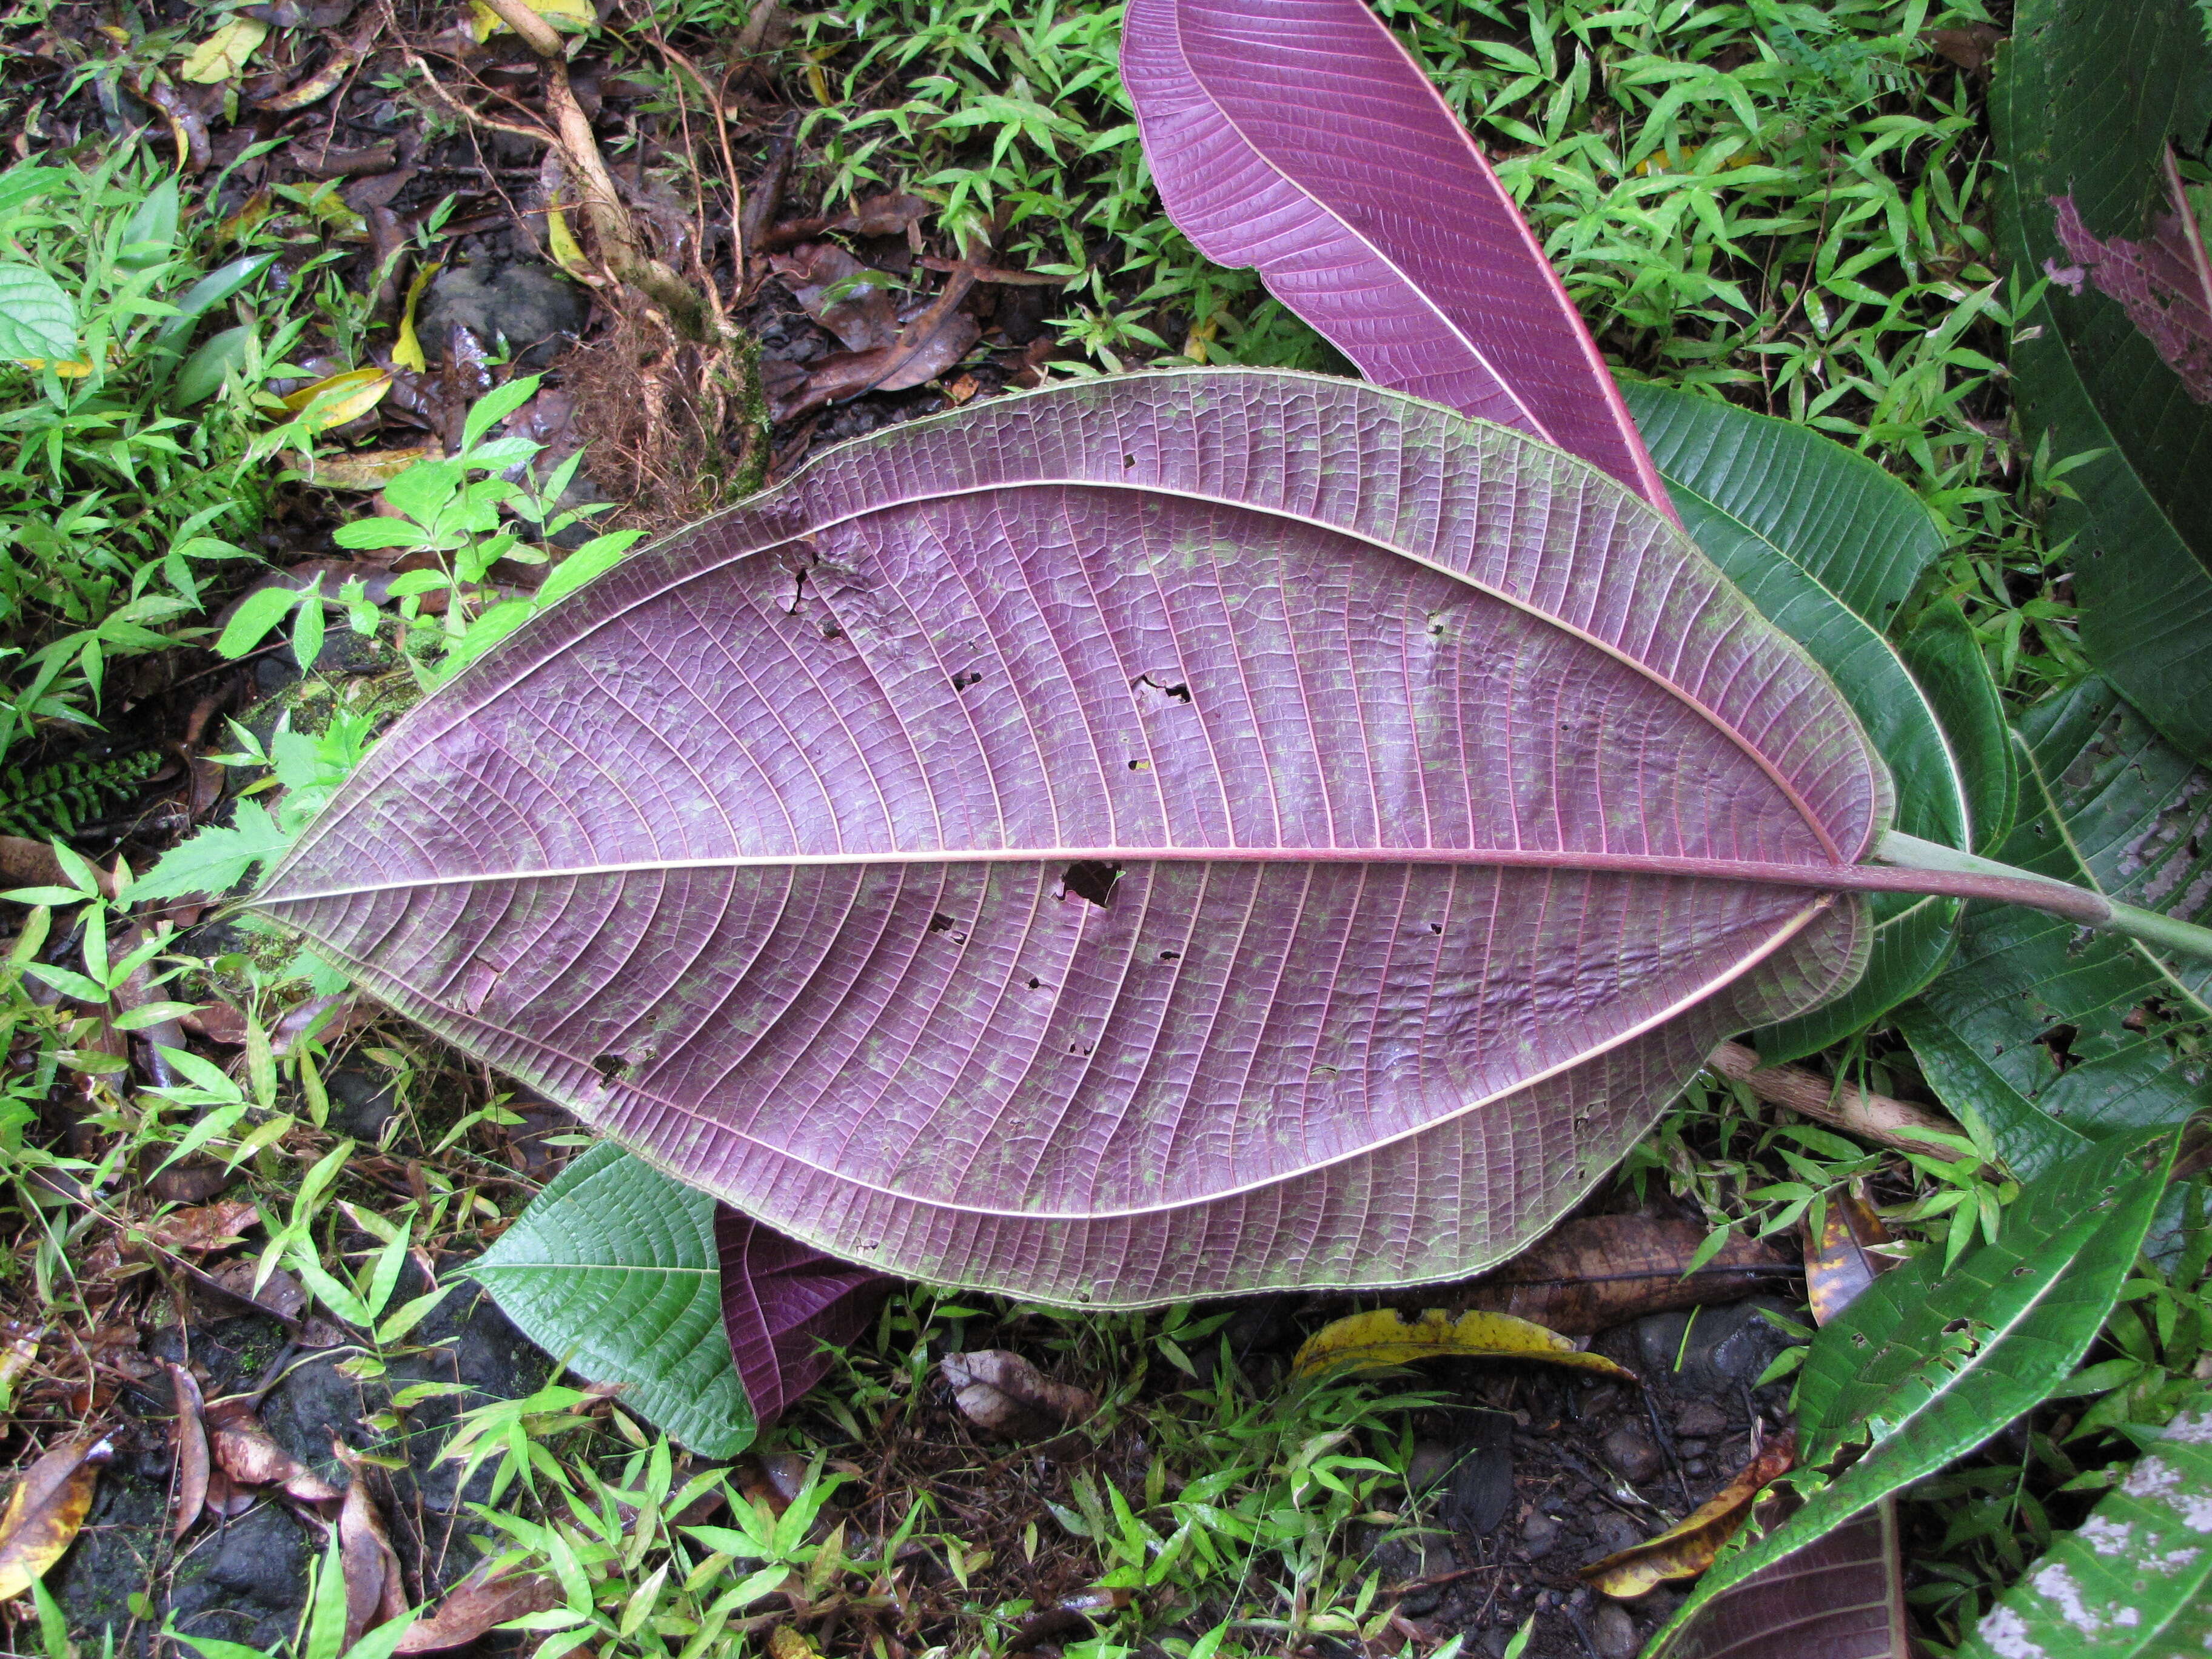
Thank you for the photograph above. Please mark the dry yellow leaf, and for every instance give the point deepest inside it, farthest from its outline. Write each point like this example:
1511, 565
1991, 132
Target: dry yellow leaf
1369, 1341
569, 17
366, 470
1686, 1549
561, 243
407, 350
343, 397
69, 368
44, 1511
224, 53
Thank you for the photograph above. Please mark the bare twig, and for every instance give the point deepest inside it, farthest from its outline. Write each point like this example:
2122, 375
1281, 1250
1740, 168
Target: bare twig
1880, 1118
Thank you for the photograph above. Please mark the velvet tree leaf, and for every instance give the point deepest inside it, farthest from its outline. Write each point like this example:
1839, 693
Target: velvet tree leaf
1827, 546
612, 1271
2115, 363
1841, 1597
2134, 1580
2058, 1039
786, 1308
1179, 834
1298, 136
1924, 1365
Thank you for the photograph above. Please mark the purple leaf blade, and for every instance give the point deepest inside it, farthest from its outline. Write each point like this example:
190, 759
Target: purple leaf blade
757, 852
1300, 137
785, 1307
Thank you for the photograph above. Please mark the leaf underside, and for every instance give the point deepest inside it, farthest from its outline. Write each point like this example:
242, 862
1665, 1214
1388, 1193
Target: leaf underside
776, 852
1839, 1597
1298, 136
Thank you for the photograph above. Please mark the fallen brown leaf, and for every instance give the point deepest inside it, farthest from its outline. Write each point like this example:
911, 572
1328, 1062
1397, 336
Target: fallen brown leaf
1590, 1274
824, 279
1846, 1257
188, 1435
246, 1452
1686, 1549
205, 1227
1069, 1616
280, 1296
1003, 1394
375, 1592
46, 1510
929, 344
476, 1604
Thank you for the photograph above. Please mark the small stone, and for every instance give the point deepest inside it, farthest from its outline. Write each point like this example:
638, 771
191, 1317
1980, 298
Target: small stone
1538, 1534
1631, 1452
535, 308
1614, 1532
1700, 1417
1614, 1633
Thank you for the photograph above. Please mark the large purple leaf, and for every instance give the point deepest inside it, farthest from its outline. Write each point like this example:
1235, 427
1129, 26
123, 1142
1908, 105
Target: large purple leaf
1459, 805
1298, 136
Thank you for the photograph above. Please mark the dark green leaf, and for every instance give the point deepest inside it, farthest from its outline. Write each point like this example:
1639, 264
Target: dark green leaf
612, 1269
1947, 661
2084, 111
2135, 1582
1924, 1365
1827, 546
2053, 1036
37, 319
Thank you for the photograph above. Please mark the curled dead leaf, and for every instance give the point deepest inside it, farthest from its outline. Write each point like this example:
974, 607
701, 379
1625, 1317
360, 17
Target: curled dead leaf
250, 1455
476, 1604
1686, 1549
1596, 1271
1848, 1255
46, 1510
188, 1435
1370, 1341
203, 1227
1003, 1394
375, 1592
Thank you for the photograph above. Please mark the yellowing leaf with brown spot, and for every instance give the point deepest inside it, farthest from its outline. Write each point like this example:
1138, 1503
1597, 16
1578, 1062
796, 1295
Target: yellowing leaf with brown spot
1686, 1549
224, 53
1370, 1341
343, 397
407, 350
569, 17
44, 1511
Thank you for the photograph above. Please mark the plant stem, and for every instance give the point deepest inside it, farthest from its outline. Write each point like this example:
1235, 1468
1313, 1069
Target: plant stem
2166, 933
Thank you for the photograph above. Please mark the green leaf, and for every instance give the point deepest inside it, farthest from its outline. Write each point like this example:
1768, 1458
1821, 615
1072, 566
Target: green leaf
2054, 1037
210, 291
1927, 1366
495, 406
202, 373
2084, 112
216, 860
612, 1269
36, 317
151, 231
257, 614
1947, 662
1827, 546
2135, 1581
26, 182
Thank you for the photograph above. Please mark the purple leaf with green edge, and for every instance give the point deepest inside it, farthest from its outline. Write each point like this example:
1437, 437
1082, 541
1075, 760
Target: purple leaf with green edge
786, 1307
1840, 1597
1153, 837
1298, 136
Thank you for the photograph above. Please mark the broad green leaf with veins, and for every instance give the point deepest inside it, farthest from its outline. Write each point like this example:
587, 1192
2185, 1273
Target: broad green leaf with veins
613, 1269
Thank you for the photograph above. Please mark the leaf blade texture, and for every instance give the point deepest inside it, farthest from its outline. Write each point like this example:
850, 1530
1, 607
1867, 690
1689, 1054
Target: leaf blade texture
777, 852
1298, 136
2133, 1580
2084, 115
2057, 1041
611, 1270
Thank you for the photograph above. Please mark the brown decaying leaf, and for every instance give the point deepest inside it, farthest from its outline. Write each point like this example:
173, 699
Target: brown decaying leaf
1840, 1597
927, 345
476, 1604
860, 314
1003, 1394
245, 1451
188, 1435
1070, 1615
1589, 1274
205, 1227
1846, 1257
45, 1509
887, 215
1686, 1549
375, 1591
280, 1296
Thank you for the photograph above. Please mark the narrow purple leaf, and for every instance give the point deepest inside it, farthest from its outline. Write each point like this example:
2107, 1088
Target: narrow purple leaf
1297, 136
786, 1307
